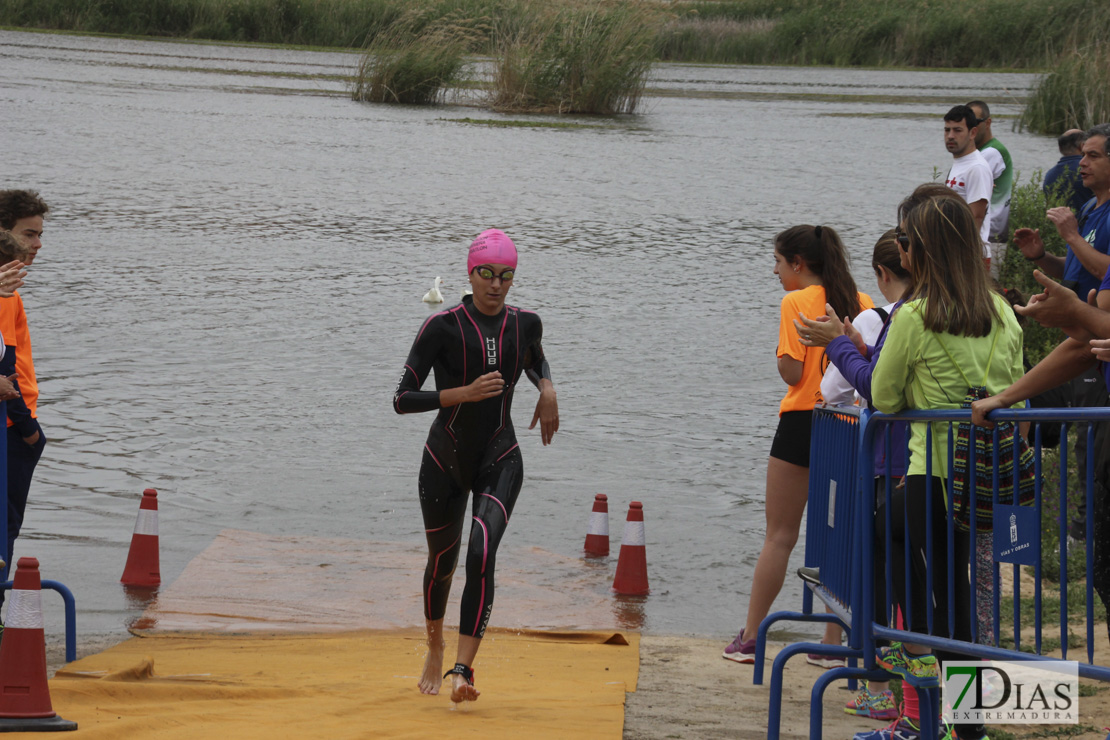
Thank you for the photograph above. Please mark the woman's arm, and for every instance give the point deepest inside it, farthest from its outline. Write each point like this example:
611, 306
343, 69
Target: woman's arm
855, 368
539, 372
409, 399
1070, 359
790, 370
892, 371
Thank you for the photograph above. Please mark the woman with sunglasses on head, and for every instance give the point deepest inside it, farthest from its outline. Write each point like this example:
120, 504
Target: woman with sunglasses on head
478, 349
812, 266
952, 331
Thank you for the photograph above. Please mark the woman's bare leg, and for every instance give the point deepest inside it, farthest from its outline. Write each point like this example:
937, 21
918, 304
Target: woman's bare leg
787, 491
432, 677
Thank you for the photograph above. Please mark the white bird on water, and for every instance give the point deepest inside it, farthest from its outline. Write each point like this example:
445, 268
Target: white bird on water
433, 295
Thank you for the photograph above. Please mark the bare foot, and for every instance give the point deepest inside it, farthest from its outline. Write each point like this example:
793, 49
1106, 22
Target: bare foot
461, 690
432, 678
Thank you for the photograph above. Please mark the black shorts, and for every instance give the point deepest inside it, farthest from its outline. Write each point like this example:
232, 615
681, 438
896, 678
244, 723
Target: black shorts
792, 437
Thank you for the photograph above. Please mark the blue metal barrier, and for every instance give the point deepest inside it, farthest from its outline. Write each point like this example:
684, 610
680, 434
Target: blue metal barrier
70, 606
842, 487
67, 595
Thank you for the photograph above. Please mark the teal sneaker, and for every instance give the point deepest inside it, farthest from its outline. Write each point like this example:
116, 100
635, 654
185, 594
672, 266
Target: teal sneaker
875, 706
896, 660
902, 728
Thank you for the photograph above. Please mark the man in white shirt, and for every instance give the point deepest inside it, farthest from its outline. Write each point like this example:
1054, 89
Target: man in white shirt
970, 175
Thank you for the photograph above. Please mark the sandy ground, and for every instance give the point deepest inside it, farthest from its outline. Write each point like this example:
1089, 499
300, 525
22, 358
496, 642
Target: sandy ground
686, 690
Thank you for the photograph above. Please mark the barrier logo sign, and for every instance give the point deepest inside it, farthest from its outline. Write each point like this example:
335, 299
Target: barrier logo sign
1017, 535
1033, 692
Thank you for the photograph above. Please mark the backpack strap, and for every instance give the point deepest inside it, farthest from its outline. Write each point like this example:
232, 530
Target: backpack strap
990, 358
882, 313
1085, 211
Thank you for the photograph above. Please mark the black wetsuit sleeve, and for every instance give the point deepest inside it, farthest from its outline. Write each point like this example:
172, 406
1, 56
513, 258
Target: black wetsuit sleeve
18, 412
535, 364
409, 399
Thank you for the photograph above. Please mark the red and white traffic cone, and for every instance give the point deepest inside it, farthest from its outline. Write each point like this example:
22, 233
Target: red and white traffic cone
24, 693
597, 536
142, 567
631, 578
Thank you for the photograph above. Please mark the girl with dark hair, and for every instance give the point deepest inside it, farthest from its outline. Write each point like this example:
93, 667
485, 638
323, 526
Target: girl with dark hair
894, 282
812, 266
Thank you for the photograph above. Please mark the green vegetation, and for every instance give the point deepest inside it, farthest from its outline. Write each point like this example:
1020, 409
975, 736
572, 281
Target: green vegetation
556, 55
585, 57
499, 123
1027, 210
413, 62
948, 33
1076, 94
921, 33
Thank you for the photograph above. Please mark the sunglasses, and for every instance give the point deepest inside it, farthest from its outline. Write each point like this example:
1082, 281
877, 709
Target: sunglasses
487, 274
902, 239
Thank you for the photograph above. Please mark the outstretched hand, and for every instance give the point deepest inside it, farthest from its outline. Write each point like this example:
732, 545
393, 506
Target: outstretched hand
1029, 243
1056, 307
1100, 348
8, 390
1065, 221
547, 413
820, 331
982, 407
11, 278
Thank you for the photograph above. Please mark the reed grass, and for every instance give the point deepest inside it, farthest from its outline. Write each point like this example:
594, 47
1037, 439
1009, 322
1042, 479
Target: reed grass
921, 33
414, 61
1076, 94
576, 57
947, 33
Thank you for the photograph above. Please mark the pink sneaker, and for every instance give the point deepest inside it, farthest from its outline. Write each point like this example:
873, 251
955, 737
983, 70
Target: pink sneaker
825, 661
740, 650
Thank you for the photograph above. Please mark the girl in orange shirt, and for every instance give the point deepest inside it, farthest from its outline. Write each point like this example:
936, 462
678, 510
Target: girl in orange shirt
812, 266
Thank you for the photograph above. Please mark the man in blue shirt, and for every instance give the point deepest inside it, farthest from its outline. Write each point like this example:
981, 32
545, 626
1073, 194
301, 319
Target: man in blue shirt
1062, 179
1082, 269
1088, 236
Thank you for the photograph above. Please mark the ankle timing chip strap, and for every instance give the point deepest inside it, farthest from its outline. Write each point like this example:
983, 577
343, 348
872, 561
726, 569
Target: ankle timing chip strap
462, 670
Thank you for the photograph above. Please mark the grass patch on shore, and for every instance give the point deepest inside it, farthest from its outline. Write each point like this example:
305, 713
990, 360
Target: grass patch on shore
496, 123
1076, 94
414, 61
576, 57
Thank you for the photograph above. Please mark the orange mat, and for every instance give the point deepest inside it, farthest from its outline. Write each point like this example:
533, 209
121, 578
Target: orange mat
347, 685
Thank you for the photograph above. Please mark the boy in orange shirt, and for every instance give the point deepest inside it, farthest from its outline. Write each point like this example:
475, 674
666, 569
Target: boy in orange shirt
21, 213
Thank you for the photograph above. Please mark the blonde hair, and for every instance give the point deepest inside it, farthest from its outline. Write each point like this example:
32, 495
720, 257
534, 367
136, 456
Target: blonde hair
947, 268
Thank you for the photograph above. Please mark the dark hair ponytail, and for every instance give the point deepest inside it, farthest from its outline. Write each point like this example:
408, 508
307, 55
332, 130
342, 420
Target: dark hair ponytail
887, 254
820, 248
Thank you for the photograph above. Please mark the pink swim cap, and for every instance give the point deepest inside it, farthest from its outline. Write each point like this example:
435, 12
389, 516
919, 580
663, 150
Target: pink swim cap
492, 247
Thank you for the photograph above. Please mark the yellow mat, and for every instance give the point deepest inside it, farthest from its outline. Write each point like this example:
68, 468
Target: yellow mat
347, 685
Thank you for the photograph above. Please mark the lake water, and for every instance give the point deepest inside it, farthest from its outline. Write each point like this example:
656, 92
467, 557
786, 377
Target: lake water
236, 253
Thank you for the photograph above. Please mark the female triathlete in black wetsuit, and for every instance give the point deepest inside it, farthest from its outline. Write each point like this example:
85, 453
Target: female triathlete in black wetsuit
478, 349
